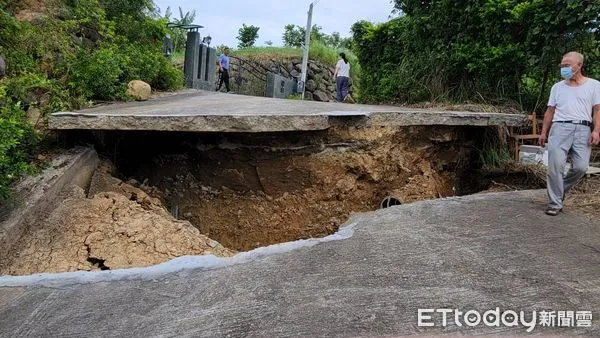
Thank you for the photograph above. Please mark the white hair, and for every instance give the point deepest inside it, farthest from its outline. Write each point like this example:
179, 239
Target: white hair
577, 56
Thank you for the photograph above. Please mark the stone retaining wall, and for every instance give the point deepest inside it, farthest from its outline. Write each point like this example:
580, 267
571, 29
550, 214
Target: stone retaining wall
248, 76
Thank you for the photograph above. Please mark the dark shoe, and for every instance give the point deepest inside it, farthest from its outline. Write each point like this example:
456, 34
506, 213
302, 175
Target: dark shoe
553, 212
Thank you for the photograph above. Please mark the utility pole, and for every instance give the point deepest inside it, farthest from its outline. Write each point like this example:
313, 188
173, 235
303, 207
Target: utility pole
302, 85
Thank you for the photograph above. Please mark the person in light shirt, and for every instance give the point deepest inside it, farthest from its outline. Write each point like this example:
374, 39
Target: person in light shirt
342, 77
223, 66
571, 126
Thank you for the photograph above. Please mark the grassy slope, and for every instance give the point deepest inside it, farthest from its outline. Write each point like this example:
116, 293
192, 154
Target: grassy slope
318, 51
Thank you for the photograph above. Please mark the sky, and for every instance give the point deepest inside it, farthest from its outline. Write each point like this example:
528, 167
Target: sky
222, 19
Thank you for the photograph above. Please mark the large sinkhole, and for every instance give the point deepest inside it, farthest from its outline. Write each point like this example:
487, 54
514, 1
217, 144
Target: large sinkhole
160, 195
252, 190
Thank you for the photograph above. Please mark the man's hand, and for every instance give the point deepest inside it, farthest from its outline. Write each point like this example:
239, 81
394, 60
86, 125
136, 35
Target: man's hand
595, 138
542, 139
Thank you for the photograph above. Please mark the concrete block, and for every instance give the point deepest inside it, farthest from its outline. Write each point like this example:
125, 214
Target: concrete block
279, 86
192, 50
199, 64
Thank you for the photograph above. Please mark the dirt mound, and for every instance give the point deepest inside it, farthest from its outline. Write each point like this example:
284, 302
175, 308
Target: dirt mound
110, 230
32, 10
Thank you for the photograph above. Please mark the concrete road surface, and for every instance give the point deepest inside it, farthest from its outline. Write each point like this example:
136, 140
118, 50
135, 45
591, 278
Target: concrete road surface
201, 111
476, 253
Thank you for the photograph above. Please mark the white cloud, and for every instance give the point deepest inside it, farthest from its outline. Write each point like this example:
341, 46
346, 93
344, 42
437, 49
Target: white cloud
223, 18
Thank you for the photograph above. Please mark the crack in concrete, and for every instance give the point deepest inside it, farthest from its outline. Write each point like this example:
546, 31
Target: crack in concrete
176, 265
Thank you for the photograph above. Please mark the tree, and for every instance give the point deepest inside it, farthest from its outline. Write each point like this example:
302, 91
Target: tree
495, 50
294, 35
316, 34
247, 36
336, 41
220, 49
135, 8
333, 40
269, 43
178, 35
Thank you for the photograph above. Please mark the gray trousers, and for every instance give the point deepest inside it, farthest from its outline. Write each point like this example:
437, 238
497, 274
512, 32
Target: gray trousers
566, 138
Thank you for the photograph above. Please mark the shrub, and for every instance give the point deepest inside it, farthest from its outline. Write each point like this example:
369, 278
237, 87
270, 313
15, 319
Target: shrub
98, 74
492, 51
81, 51
146, 31
169, 77
146, 63
18, 143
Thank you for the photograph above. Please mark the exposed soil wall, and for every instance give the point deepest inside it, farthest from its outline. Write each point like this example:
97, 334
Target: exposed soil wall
252, 190
157, 196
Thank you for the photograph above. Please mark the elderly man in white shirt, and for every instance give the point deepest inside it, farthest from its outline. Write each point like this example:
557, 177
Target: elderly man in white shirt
571, 126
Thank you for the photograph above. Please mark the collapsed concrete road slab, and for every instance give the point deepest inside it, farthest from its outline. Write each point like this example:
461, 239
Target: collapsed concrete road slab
484, 252
201, 111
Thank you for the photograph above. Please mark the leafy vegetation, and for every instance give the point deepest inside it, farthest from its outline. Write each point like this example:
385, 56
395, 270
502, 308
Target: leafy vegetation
18, 143
247, 36
75, 52
294, 35
177, 34
497, 50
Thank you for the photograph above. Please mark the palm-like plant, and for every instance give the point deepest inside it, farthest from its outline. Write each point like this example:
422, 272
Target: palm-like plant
178, 34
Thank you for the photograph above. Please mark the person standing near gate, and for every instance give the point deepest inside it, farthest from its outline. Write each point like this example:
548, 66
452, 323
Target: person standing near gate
571, 126
223, 65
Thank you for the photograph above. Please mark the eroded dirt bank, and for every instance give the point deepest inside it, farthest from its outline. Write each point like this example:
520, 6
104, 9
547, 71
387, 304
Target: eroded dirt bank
118, 227
247, 191
160, 196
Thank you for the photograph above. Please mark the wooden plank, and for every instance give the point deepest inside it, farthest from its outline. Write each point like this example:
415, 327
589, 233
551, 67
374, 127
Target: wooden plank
592, 171
525, 137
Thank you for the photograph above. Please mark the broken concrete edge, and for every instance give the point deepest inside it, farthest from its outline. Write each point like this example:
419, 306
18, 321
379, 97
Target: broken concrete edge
204, 262
37, 196
211, 262
447, 119
207, 123
274, 123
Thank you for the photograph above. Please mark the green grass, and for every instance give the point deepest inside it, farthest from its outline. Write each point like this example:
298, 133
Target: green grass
318, 51
178, 57
268, 52
495, 157
494, 152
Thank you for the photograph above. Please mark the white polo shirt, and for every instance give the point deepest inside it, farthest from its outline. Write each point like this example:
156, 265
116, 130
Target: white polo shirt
574, 103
